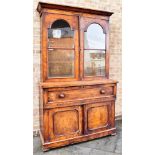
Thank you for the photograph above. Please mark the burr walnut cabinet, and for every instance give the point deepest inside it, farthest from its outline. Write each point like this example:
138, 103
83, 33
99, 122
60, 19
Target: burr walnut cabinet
77, 98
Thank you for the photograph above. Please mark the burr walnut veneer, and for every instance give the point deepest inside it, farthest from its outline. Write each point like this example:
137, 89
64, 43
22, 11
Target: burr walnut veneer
77, 98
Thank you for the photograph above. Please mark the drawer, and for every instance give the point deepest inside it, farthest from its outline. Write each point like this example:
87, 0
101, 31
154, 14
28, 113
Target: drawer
78, 93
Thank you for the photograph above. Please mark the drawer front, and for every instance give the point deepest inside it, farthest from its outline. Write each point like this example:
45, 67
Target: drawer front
79, 93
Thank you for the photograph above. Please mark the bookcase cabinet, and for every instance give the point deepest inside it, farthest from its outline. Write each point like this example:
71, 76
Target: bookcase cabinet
77, 98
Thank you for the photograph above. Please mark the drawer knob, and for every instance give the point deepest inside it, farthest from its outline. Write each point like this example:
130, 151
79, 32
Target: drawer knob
102, 91
61, 95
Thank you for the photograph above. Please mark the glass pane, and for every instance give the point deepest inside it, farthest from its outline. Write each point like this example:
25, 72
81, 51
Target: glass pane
60, 63
94, 63
60, 35
94, 37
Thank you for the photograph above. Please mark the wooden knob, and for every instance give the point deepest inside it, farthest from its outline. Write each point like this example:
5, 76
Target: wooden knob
102, 91
61, 95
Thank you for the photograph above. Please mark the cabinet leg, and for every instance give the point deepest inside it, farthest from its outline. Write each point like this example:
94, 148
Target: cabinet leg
45, 149
113, 134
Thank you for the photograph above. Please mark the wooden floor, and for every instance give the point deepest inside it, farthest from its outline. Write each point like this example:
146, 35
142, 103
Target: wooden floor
110, 145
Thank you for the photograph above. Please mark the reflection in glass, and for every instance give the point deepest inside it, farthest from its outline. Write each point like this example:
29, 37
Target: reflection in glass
60, 35
60, 63
94, 63
94, 37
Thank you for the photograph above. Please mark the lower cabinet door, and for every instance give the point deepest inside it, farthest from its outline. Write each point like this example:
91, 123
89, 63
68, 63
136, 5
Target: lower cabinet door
65, 122
99, 117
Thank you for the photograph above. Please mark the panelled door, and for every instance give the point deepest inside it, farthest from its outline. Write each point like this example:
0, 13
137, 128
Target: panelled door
98, 116
65, 122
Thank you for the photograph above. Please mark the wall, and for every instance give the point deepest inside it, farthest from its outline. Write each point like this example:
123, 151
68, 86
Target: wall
115, 46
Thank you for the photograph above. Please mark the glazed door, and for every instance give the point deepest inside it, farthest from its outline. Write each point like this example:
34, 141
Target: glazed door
98, 117
94, 35
65, 123
60, 47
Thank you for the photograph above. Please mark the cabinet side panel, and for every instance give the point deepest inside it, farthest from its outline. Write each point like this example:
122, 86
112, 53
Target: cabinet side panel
112, 114
41, 110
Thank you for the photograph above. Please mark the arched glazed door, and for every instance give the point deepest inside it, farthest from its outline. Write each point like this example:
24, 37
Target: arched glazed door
61, 48
94, 48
